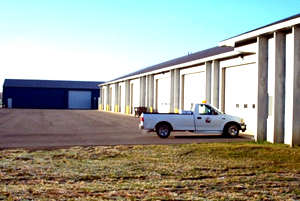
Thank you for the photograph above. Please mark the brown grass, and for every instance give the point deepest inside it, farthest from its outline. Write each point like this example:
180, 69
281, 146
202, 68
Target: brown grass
237, 171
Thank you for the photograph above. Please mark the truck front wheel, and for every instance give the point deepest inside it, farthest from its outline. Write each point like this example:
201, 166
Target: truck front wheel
231, 130
163, 130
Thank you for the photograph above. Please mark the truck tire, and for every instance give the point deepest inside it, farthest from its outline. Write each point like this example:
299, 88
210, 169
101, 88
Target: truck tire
231, 130
163, 130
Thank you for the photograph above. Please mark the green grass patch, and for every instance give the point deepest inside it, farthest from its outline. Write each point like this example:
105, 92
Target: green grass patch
221, 171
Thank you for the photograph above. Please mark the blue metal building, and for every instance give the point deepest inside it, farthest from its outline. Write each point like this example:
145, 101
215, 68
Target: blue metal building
50, 94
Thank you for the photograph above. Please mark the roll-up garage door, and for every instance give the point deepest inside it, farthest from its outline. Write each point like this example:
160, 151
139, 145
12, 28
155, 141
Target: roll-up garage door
134, 94
241, 94
122, 98
193, 89
163, 95
79, 99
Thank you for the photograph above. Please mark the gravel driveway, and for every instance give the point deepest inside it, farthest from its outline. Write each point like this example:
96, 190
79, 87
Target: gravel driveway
43, 129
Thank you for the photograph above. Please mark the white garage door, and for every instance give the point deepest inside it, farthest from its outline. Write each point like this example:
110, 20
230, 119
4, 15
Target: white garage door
193, 89
122, 97
241, 94
79, 99
163, 95
134, 94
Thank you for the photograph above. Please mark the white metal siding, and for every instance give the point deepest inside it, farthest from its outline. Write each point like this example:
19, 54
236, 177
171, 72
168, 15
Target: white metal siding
288, 126
193, 89
271, 89
134, 94
163, 95
122, 96
113, 90
79, 99
241, 94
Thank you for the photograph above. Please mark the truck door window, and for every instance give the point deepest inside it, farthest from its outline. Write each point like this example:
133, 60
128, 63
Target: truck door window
205, 110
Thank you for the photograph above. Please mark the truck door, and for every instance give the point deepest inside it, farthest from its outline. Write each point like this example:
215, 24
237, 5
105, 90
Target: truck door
208, 119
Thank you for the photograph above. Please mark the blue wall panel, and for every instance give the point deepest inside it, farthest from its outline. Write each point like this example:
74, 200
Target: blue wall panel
38, 98
42, 98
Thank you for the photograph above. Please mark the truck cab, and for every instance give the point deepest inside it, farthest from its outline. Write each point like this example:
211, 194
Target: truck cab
203, 118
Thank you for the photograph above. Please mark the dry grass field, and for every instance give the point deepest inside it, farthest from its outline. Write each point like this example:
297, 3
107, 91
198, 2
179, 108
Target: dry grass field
216, 171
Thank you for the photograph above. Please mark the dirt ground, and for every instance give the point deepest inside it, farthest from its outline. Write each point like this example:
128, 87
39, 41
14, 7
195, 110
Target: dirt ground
43, 129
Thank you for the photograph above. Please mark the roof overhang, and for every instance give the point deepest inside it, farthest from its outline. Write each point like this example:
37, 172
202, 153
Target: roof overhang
183, 65
262, 31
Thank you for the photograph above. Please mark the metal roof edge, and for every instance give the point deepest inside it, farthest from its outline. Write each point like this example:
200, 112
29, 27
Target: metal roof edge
182, 65
38, 83
287, 22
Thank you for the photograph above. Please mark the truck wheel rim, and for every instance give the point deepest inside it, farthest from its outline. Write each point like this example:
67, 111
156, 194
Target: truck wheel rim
232, 131
163, 131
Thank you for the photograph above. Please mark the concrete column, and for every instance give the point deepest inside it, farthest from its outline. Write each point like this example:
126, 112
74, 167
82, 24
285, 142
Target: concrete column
103, 98
223, 87
176, 90
127, 96
116, 103
208, 81
143, 91
216, 83
100, 100
172, 90
120, 97
148, 91
279, 97
107, 98
262, 96
151, 93
296, 88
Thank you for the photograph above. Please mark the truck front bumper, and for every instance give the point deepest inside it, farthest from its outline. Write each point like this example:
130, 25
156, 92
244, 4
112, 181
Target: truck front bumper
243, 127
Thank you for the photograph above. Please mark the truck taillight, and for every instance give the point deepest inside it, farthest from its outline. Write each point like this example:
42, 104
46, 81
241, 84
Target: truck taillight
142, 119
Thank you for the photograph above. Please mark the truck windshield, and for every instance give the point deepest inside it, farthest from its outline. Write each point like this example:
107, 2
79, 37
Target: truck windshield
216, 110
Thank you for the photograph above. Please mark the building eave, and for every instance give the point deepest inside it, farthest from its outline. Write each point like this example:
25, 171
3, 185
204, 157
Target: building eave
262, 31
183, 65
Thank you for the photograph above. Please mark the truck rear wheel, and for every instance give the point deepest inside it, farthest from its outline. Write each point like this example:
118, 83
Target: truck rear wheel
231, 130
163, 130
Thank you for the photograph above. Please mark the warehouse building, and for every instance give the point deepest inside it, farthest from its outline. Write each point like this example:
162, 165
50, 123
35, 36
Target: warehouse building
50, 94
254, 75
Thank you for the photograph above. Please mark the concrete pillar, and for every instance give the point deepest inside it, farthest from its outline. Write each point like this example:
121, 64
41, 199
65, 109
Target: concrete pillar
143, 91
151, 93
107, 108
296, 88
120, 97
279, 97
262, 91
223, 87
216, 83
100, 98
172, 90
176, 90
116, 103
147, 91
103, 97
208, 81
127, 96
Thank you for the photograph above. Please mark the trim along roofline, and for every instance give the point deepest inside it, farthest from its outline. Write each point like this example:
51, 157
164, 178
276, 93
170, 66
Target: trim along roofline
270, 28
182, 65
283, 24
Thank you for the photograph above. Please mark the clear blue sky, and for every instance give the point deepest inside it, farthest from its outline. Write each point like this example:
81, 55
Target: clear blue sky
103, 39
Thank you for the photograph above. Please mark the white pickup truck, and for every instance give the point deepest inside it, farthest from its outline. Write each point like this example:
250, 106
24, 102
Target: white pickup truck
204, 119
